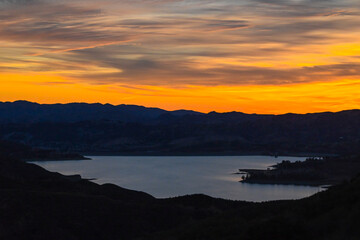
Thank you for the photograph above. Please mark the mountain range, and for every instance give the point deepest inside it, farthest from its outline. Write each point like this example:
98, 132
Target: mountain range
130, 129
30, 112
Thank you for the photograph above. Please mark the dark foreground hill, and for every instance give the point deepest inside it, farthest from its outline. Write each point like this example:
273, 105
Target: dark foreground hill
37, 204
123, 129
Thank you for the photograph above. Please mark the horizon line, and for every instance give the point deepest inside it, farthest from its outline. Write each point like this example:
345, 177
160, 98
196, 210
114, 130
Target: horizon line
181, 109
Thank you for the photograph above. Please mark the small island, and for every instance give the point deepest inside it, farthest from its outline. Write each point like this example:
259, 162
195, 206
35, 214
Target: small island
315, 171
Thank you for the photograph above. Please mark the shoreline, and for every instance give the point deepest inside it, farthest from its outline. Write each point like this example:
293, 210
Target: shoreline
311, 172
278, 181
55, 159
205, 154
321, 184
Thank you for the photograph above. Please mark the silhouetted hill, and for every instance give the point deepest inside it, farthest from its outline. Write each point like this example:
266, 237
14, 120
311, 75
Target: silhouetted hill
312, 171
27, 153
28, 112
37, 204
123, 129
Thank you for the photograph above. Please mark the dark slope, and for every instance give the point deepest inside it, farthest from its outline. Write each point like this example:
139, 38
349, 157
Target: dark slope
36, 204
334, 214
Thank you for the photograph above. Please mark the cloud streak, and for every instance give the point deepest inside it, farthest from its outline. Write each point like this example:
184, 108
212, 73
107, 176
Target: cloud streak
180, 43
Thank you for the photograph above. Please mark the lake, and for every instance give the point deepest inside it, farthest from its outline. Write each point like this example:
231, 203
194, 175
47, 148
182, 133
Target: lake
170, 176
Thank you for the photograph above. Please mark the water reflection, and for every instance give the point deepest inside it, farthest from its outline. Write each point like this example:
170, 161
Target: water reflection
173, 176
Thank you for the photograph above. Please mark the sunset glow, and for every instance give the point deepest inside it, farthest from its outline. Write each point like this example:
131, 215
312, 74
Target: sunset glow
253, 56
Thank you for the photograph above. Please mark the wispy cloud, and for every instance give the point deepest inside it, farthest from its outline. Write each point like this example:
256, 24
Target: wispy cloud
180, 42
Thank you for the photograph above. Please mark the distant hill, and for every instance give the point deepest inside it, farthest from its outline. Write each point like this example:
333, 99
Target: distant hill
29, 112
27, 153
125, 129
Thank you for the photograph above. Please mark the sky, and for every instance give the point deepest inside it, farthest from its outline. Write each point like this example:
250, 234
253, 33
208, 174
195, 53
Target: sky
253, 56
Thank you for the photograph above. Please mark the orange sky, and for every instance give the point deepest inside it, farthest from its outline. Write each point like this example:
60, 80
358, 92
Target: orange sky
252, 56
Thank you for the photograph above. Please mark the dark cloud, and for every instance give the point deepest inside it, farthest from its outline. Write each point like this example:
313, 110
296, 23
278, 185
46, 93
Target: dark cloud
181, 71
185, 23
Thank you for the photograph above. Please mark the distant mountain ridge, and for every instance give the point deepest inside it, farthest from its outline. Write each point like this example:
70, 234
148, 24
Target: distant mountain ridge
128, 129
24, 111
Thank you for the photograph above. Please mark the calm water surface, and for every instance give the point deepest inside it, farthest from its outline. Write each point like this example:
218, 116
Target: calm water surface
166, 176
